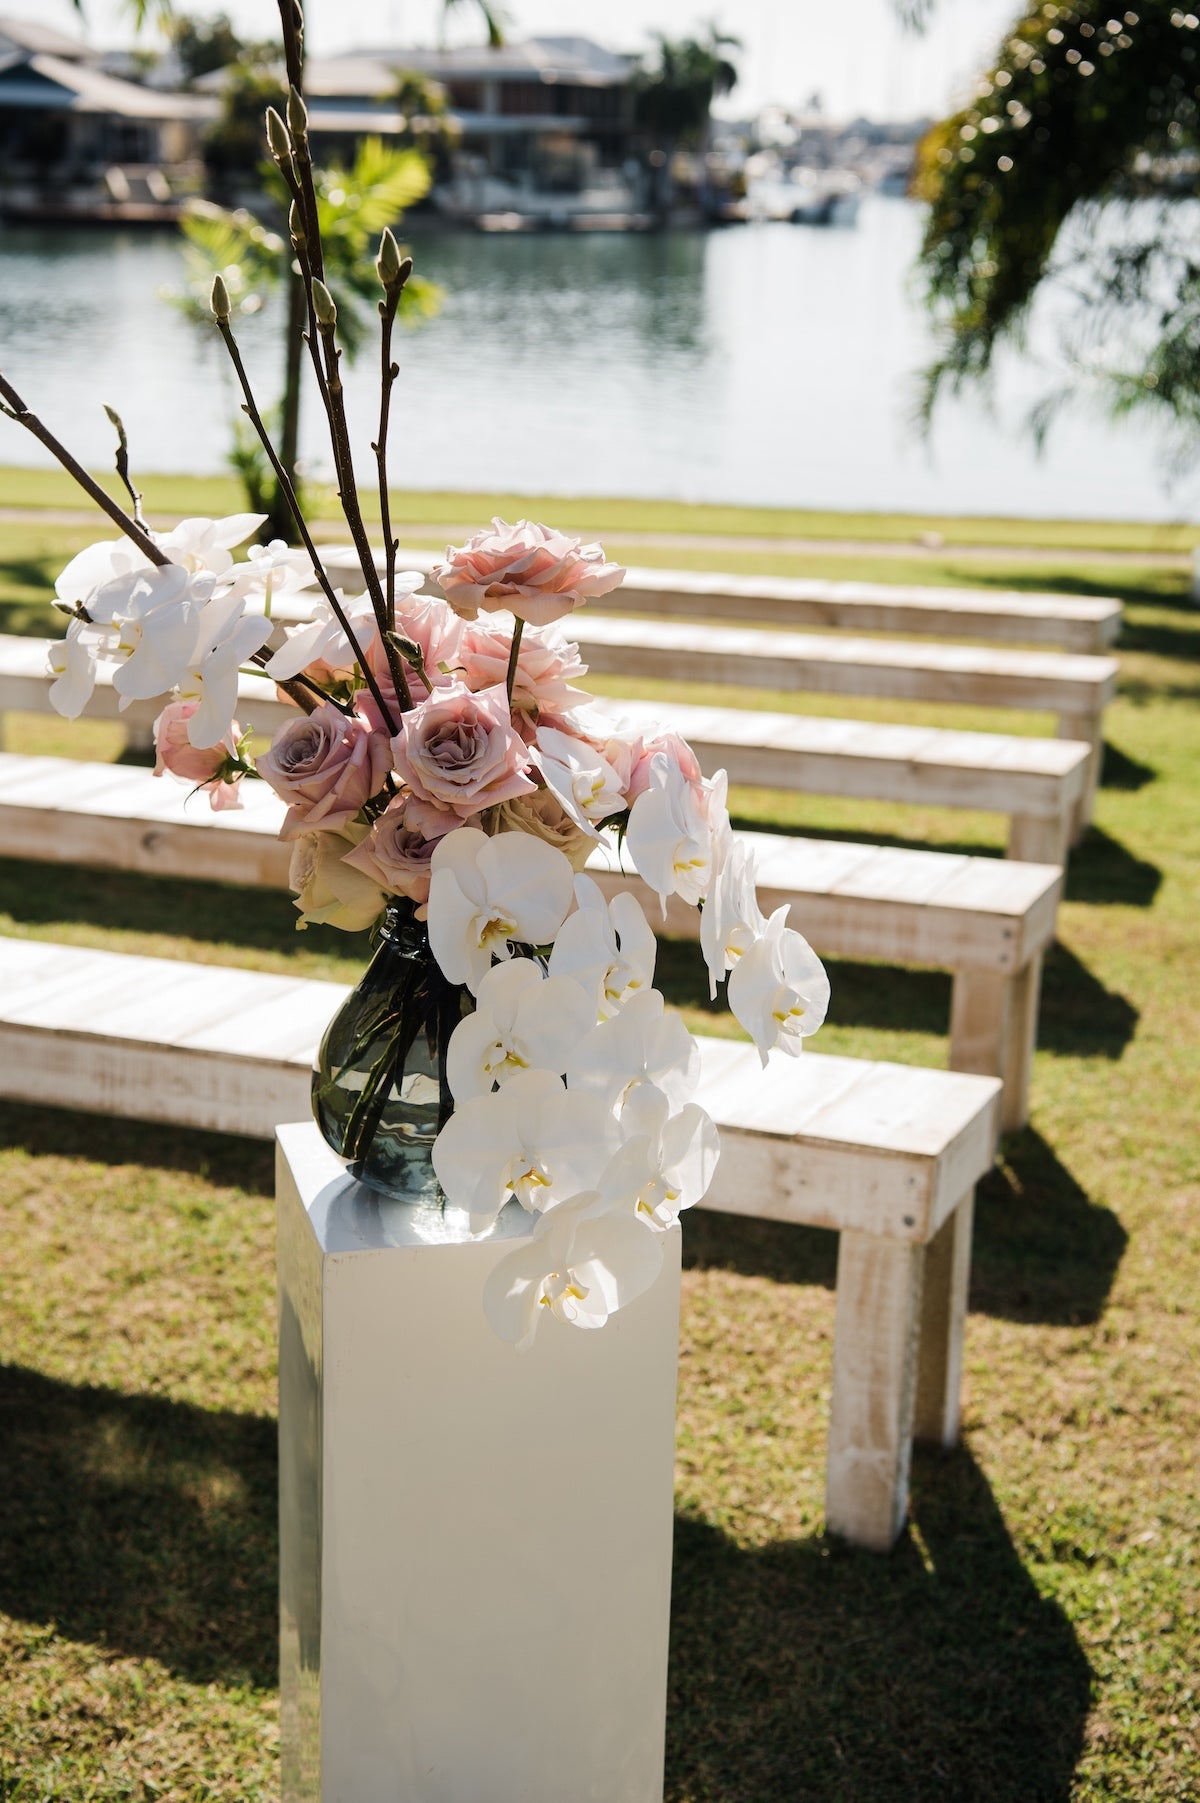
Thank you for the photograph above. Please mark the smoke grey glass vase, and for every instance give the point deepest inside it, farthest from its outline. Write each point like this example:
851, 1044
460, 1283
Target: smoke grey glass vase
380, 1095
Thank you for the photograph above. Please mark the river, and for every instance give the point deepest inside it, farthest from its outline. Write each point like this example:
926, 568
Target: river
769, 364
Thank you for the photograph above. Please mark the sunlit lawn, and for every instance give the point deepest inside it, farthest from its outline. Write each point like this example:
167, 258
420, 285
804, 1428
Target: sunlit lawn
1035, 1634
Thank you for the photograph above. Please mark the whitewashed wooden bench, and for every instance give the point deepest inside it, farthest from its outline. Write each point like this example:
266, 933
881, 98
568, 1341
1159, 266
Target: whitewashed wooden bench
987, 921
1038, 783
1082, 623
1075, 689
885, 1155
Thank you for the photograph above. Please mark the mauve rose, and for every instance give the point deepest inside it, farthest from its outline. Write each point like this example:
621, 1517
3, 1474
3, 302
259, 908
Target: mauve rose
528, 570
460, 751
325, 765
547, 664
670, 745
543, 816
396, 852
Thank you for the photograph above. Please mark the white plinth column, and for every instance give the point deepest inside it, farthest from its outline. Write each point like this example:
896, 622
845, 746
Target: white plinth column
475, 1551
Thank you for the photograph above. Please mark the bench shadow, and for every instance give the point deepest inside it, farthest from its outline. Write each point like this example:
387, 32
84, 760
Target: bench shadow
809, 1671
1079, 1016
1121, 771
142, 1525
1043, 1251
1100, 869
227, 1159
965, 848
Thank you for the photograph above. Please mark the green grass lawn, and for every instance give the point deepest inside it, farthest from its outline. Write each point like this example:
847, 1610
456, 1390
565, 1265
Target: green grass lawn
1035, 1635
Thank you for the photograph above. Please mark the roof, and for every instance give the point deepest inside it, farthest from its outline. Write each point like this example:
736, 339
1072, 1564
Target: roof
27, 34
547, 59
86, 90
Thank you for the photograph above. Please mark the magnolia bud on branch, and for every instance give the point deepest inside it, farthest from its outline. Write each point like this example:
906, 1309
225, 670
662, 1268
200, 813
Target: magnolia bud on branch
323, 305
219, 300
297, 115
278, 139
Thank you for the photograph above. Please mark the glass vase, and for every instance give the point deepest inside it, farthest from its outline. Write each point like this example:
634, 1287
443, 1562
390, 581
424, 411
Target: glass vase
380, 1095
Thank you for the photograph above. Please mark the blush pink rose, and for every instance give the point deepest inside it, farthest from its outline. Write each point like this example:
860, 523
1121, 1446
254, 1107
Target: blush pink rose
200, 765
397, 850
460, 750
547, 664
325, 765
670, 745
527, 570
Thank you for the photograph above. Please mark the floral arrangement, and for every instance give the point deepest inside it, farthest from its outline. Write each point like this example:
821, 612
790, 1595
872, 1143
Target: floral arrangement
445, 764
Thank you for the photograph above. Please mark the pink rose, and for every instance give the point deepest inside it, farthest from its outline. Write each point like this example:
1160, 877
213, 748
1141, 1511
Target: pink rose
200, 765
527, 570
460, 751
325, 765
396, 852
671, 746
546, 665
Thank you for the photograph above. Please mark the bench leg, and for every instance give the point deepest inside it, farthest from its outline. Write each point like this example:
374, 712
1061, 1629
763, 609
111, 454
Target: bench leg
1090, 728
1022, 1039
1039, 839
875, 1338
943, 1311
980, 1013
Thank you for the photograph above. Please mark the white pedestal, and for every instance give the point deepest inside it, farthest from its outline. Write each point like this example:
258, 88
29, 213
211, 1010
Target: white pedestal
475, 1553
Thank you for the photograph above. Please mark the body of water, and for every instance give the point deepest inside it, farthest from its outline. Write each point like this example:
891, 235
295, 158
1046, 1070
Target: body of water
769, 364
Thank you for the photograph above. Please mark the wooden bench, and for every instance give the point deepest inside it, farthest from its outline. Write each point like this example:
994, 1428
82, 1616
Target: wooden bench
1076, 689
1038, 783
1082, 623
987, 921
885, 1155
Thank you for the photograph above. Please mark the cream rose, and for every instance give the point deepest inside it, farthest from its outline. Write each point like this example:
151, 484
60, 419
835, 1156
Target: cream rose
330, 892
542, 816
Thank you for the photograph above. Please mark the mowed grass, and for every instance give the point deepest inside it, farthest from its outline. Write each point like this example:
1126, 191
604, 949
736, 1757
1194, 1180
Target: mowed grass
1034, 1636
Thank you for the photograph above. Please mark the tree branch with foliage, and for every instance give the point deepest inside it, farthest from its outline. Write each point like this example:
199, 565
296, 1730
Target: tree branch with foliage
1083, 107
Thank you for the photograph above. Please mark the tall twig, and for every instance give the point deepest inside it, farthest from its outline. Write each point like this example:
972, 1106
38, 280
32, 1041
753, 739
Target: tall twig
250, 408
122, 460
15, 408
394, 272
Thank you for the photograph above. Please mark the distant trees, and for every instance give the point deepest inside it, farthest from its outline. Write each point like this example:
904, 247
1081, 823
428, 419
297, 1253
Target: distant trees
495, 18
674, 95
1091, 115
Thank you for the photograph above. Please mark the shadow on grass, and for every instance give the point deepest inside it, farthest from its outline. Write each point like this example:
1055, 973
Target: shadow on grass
1101, 870
261, 919
809, 1671
1043, 1251
143, 1525
1078, 1015
965, 848
802, 1670
1121, 771
222, 1158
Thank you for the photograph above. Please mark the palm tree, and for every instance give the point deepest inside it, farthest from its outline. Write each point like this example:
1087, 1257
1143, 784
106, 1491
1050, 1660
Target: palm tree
675, 94
495, 18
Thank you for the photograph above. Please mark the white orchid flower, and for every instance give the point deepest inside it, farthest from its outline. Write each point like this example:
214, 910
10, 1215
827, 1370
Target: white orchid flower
530, 1139
323, 638
608, 948
156, 614
643, 1044
199, 544
269, 570
668, 1160
72, 661
778, 988
523, 1020
584, 1260
731, 919
91, 569
485, 893
586, 784
670, 834
226, 637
